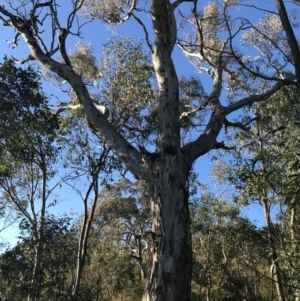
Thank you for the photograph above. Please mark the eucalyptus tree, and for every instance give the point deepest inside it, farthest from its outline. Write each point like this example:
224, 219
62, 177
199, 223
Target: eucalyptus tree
44, 27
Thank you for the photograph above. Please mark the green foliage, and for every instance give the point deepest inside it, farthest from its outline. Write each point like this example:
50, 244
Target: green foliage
25, 118
16, 264
27, 138
125, 200
126, 87
270, 151
118, 254
111, 11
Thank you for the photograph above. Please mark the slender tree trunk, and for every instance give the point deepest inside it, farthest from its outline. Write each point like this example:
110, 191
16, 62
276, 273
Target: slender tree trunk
274, 256
208, 274
139, 257
84, 236
292, 224
35, 279
39, 237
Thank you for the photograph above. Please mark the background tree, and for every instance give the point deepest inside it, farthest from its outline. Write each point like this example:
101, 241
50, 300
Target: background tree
58, 261
27, 153
228, 252
265, 171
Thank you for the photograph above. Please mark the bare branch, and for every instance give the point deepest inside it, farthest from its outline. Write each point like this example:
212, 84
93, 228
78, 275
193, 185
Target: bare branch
240, 61
22, 61
14, 42
259, 8
185, 114
268, 39
62, 35
145, 31
199, 28
178, 2
77, 6
55, 21
3, 20
129, 13
207, 140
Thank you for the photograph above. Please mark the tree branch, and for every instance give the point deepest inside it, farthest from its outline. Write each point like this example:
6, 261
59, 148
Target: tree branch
221, 145
240, 125
165, 31
178, 2
62, 35
129, 155
145, 31
23, 61
248, 101
187, 113
240, 61
63, 106
206, 141
292, 41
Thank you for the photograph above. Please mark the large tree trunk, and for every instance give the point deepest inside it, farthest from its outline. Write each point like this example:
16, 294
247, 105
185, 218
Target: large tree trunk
170, 274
